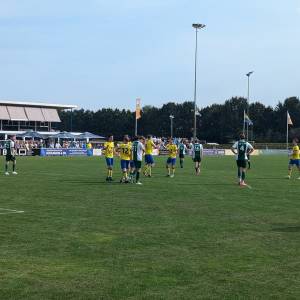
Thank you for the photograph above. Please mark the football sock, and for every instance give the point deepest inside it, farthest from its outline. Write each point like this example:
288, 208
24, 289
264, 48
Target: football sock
239, 173
14, 167
243, 175
150, 170
146, 170
173, 171
249, 165
137, 176
181, 163
6, 167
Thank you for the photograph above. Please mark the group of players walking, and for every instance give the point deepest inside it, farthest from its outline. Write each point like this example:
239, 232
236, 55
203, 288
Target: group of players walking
132, 152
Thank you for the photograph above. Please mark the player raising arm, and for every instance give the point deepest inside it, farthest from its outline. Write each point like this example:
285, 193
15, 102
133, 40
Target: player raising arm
171, 161
241, 149
294, 158
197, 154
109, 147
10, 154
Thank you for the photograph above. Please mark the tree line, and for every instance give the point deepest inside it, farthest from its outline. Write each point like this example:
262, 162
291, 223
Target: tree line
219, 123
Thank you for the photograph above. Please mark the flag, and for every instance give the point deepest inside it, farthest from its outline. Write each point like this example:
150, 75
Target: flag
247, 119
289, 119
138, 109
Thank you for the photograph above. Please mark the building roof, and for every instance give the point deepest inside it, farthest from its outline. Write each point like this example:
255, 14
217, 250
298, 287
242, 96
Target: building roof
37, 104
31, 111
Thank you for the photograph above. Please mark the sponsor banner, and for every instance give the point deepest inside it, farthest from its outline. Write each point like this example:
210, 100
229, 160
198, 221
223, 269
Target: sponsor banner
213, 152
206, 152
97, 152
63, 152
274, 152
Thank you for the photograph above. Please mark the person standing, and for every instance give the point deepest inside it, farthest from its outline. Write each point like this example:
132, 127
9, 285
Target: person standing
241, 149
149, 161
109, 147
137, 150
125, 155
10, 147
294, 158
182, 151
171, 161
197, 154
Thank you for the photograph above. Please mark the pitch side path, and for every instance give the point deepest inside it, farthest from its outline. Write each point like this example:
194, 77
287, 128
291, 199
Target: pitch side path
67, 234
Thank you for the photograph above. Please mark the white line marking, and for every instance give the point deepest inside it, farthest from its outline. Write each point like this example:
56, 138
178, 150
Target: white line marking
10, 211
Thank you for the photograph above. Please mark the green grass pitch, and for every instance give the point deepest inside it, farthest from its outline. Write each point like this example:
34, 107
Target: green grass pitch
186, 237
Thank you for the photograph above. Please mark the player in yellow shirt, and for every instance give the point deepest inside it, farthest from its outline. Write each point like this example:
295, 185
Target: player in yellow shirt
171, 162
125, 155
149, 161
109, 148
294, 158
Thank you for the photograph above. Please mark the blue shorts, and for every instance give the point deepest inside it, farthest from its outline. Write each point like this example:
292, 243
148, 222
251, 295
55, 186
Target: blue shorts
149, 159
171, 161
109, 161
295, 162
125, 164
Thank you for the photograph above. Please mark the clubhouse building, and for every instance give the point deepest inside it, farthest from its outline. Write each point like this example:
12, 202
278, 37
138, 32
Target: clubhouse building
19, 117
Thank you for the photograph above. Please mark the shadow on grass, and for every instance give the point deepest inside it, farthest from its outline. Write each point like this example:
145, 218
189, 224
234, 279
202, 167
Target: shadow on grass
90, 182
203, 184
268, 178
287, 229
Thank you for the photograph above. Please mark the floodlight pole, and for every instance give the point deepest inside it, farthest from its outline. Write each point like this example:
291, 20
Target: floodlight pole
71, 120
171, 124
197, 27
248, 101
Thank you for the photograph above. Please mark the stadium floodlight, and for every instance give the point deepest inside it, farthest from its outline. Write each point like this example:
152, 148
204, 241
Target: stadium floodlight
171, 121
197, 26
248, 102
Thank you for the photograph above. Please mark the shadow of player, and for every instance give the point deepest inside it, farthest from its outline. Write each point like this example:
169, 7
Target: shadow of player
291, 228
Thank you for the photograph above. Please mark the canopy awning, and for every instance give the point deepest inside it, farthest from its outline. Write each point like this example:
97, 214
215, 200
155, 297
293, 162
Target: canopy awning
31, 134
4, 113
17, 113
50, 115
63, 135
89, 135
34, 114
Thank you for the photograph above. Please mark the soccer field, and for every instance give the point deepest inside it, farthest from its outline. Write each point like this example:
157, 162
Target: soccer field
186, 237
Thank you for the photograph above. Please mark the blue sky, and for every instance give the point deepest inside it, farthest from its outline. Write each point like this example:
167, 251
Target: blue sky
97, 53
